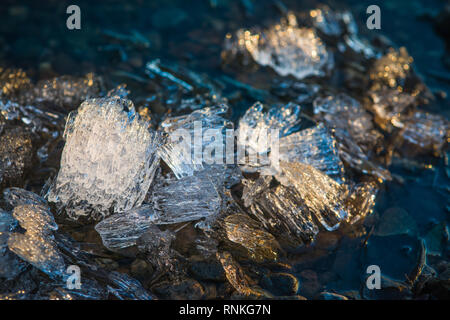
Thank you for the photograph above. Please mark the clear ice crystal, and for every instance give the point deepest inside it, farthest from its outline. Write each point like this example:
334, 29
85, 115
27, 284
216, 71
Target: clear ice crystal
254, 135
286, 48
354, 131
108, 161
316, 147
280, 210
186, 199
180, 156
424, 132
323, 196
123, 229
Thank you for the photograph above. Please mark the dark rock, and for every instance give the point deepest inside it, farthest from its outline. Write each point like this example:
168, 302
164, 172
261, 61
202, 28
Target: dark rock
207, 270
280, 284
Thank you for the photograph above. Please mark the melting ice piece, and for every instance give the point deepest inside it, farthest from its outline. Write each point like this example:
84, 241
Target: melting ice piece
123, 229
346, 113
424, 132
184, 156
361, 201
243, 230
37, 245
10, 264
187, 199
280, 210
285, 47
256, 130
391, 107
323, 196
316, 147
108, 161
354, 131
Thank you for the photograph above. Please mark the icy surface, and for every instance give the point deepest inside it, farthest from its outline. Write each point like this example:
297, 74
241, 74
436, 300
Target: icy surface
108, 161
285, 47
180, 152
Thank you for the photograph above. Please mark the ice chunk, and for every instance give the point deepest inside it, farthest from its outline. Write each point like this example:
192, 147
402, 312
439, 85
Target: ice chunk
17, 196
345, 113
185, 157
243, 230
316, 147
37, 245
358, 139
361, 201
257, 129
425, 133
285, 47
12, 81
280, 210
186, 199
323, 196
123, 229
108, 161
391, 107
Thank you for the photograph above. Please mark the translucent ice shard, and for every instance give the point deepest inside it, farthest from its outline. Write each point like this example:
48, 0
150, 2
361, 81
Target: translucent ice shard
184, 147
123, 229
257, 129
313, 146
424, 133
390, 107
354, 131
10, 264
243, 230
323, 196
361, 201
186, 199
280, 210
285, 47
37, 245
108, 161
345, 113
